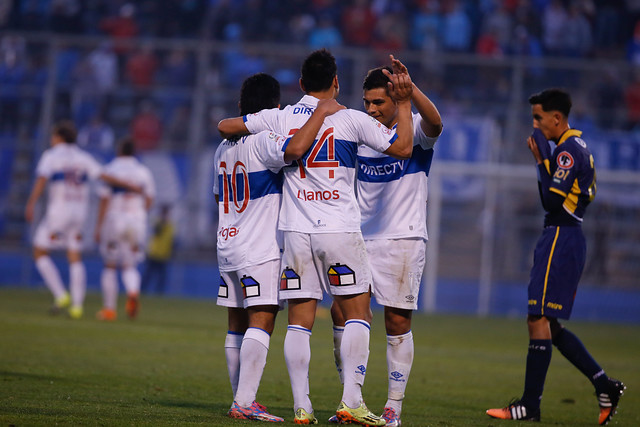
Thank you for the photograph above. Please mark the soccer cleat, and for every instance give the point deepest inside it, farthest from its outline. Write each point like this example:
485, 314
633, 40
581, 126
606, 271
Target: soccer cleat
253, 412
303, 417
334, 420
107, 314
360, 415
132, 305
391, 417
75, 312
608, 401
515, 411
60, 304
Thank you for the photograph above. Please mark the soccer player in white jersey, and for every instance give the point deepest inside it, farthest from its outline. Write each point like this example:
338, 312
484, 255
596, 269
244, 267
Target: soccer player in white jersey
392, 196
323, 247
121, 229
67, 169
248, 189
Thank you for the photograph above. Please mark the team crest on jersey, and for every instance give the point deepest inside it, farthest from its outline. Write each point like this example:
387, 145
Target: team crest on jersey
581, 142
250, 288
565, 160
223, 290
341, 275
289, 280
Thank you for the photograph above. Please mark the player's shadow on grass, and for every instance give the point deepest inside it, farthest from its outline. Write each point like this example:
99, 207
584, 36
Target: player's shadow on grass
16, 376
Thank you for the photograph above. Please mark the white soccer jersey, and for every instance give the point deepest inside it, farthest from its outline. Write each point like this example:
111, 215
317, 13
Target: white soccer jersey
123, 202
318, 191
392, 193
248, 182
68, 170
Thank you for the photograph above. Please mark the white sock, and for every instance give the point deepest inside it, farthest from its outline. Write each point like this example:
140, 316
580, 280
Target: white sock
399, 361
131, 280
355, 354
297, 355
338, 331
77, 283
253, 358
232, 344
109, 285
51, 276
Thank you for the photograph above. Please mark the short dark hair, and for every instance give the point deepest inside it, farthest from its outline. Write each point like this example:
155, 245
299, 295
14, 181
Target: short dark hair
552, 100
258, 92
66, 130
318, 71
376, 78
126, 146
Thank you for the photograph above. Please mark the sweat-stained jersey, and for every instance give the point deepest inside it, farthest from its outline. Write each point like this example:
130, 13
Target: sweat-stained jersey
248, 182
392, 193
573, 176
318, 191
68, 170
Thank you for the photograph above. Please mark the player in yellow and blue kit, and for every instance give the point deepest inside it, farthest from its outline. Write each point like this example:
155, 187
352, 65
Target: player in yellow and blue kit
567, 184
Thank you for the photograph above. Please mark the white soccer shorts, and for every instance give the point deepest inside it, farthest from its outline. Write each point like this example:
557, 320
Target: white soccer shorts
57, 231
397, 271
335, 263
250, 286
122, 240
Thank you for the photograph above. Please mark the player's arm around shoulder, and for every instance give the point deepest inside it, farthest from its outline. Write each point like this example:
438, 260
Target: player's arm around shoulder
232, 126
304, 138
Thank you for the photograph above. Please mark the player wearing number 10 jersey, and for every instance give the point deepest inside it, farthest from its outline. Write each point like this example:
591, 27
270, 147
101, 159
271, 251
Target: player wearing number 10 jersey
248, 189
324, 249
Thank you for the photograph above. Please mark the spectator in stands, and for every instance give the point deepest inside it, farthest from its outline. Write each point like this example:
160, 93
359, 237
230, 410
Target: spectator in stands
325, 34
146, 127
425, 27
609, 99
632, 102
141, 67
97, 137
456, 28
577, 34
554, 19
358, 21
122, 27
13, 74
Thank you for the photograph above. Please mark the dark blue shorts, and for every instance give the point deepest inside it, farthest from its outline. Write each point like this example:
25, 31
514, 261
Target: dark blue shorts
558, 262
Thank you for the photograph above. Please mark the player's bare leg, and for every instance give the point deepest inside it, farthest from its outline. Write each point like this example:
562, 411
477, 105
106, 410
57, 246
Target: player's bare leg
109, 286
52, 279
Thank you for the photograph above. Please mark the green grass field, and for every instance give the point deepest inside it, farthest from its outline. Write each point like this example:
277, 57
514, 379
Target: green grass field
167, 368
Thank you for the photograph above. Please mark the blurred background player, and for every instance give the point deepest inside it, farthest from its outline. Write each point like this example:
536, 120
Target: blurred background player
248, 189
567, 184
67, 169
159, 251
392, 196
324, 251
121, 229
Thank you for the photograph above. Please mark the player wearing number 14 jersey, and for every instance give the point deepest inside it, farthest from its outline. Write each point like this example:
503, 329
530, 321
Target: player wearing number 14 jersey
248, 189
324, 249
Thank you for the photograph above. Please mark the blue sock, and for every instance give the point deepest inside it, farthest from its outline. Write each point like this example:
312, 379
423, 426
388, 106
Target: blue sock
538, 360
572, 348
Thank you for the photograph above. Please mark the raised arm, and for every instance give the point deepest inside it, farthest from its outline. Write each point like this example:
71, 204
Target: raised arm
232, 127
305, 136
431, 122
400, 89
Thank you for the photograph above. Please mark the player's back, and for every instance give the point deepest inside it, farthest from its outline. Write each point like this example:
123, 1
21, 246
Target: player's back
248, 182
318, 191
68, 169
126, 202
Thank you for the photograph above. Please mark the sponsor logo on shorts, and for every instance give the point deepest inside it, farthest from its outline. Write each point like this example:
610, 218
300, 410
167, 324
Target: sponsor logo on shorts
341, 275
533, 302
250, 288
554, 306
410, 298
223, 290
289, 280
397, 376
361, 369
